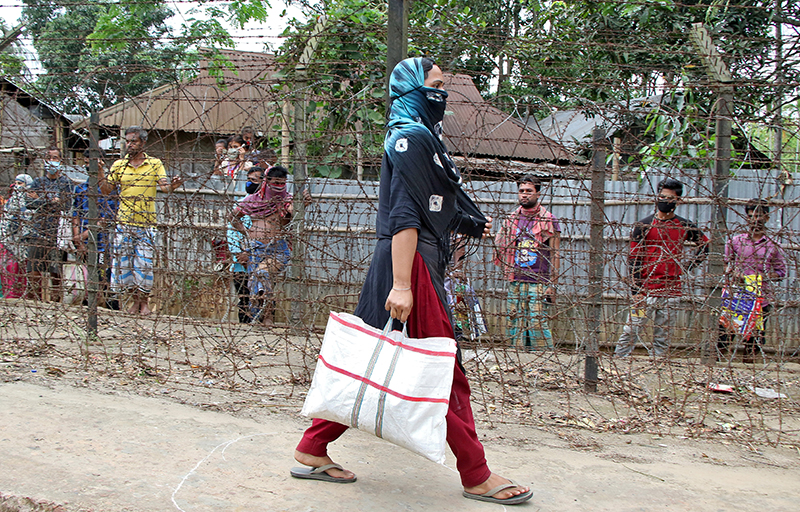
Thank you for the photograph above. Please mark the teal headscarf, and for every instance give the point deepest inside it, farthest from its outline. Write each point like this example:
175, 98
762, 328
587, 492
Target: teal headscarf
414, 148
413, 102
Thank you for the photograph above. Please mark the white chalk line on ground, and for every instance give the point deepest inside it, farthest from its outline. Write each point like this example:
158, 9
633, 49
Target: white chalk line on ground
226, 444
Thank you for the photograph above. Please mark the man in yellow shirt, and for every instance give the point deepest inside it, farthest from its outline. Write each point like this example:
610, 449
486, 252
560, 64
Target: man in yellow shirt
135, 179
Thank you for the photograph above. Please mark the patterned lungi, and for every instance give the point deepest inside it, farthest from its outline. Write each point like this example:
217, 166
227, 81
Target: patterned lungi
132, 261
263, 258
527, 316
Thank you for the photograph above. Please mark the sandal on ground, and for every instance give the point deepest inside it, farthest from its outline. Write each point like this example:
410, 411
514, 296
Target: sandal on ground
489, 495
320, 474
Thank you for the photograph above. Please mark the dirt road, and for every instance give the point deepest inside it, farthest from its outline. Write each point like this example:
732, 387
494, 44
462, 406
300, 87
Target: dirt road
89, 451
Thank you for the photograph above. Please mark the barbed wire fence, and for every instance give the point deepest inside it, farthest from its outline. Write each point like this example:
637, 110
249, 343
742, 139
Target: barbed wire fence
194, 348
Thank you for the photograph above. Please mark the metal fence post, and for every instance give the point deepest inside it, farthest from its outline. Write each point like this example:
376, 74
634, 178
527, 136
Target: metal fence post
596, 225
721, 77
93, 218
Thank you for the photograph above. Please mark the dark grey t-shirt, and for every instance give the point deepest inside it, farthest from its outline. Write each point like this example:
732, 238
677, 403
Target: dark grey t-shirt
54, 196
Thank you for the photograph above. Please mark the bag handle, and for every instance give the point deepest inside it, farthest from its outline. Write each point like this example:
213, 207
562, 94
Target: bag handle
388, 327
389, 375
356, 412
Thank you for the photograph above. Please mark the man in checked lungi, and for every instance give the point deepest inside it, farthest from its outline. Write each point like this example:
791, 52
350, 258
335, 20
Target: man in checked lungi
527, 249
420, 204
136, 178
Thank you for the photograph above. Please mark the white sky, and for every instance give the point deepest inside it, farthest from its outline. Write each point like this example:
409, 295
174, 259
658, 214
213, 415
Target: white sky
252, 38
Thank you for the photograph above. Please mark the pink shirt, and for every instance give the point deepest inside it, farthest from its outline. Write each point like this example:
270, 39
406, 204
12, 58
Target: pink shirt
756, 258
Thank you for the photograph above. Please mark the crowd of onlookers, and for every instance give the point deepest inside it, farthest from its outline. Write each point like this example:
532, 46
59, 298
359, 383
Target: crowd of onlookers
527, 248
45, 226
234, 156
35, 229
47, 217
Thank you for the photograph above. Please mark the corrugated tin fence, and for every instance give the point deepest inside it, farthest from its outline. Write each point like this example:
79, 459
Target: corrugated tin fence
339, 236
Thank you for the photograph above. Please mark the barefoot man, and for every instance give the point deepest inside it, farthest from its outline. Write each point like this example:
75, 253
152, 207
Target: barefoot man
135, 177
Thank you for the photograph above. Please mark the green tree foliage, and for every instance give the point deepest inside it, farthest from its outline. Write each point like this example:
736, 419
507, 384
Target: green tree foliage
599, 55
346, 81
98, 53
473, 36
79, 78
12, 63
573, 52
596, 51
763, 137
525, 55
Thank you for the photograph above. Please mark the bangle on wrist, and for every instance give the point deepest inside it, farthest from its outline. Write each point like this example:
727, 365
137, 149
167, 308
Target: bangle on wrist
401, 289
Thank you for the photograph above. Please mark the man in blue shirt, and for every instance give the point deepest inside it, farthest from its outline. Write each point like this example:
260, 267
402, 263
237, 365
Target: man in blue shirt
106, 211
238, 247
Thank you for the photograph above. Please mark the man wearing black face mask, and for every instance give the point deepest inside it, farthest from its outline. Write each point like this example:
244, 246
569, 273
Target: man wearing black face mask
240, 251
655, 269
269, 209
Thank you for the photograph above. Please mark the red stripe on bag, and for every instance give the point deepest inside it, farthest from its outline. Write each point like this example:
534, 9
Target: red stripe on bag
383, 388
391, 341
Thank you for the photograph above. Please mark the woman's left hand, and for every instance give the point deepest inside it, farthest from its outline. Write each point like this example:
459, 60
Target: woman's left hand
399, 304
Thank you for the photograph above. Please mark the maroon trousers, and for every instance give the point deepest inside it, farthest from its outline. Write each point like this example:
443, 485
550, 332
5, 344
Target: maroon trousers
428, 319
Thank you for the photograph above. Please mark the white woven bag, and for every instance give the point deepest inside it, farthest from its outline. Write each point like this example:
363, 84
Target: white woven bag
384, 383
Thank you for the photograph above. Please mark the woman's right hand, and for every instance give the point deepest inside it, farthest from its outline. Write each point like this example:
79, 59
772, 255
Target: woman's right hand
399, 304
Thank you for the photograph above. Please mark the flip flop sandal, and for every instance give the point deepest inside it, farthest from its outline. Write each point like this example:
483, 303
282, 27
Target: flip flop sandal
489, 495
320, 474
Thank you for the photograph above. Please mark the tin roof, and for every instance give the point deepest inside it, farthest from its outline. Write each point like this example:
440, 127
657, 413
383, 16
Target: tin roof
574, 127
476, 128
26, 95
473, 128
202, 105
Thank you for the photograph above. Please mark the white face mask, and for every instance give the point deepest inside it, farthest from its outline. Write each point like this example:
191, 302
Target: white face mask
52, 167
233, 153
